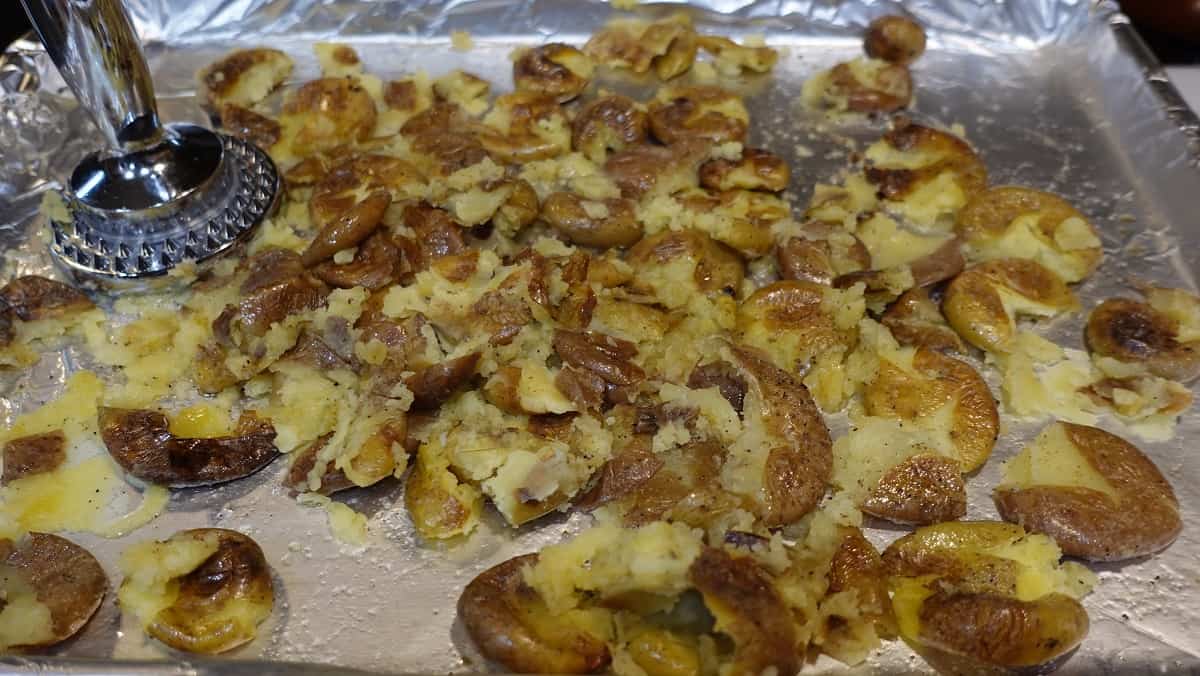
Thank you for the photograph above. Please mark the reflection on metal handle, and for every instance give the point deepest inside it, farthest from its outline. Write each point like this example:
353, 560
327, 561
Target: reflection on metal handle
95, 48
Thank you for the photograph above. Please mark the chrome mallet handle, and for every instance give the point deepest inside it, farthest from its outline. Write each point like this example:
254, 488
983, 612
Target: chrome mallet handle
97, 51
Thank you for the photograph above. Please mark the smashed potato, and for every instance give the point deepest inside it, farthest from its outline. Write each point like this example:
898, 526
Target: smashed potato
245, 77
50, 588
1096, 494
1159, 333
986, 596
983, 303
1014, 222
204, 590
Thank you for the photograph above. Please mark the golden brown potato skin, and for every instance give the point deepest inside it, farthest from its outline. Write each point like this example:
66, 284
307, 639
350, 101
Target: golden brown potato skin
65, 577
797, 473
1000, 631
236, 573
945, 381
1133, 331
691, 114
757, 169
1090, 524
565, 213
335, 111
891, 91
33, 454
856, 565
32, 297
951, 153
141, 443
220, 78
748, 608
923, 489
254, 127
508, 622
544, 70
718, 269
894, 38
349, 229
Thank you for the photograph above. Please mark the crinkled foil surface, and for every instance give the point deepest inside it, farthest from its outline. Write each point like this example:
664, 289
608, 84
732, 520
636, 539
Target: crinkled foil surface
1057, 95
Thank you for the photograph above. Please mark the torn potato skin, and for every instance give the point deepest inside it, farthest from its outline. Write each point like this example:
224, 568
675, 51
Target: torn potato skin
141, 443
433, 385
348, 229
749, 610
857, 566
608, 223
33, 454
32, 297
63, 576
915, 319
510, 624
938, 152
888, 90
231, 79
1142, 518
244, 123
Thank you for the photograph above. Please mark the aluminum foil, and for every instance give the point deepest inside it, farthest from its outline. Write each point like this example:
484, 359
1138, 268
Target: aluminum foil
1062, 96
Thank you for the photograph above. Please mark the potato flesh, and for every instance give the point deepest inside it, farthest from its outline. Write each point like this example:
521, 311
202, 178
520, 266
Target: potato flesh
1052, 460
24, 620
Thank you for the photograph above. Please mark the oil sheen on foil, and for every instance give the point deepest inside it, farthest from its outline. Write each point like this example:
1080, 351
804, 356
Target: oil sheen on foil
1060, 96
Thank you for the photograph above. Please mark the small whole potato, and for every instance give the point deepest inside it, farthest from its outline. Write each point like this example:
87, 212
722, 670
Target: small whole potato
893, 38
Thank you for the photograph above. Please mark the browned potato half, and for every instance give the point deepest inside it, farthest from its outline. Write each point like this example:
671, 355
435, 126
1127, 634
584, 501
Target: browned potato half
31, 297
141, 443
986, 597
983, 303
245, 76
510, 624
698, 112
922, 386
792, 321
1160, 333
869, 86
554, 69
756, 169
1096, 494
607, 223
893, 38
749, 610
328, 113
924, 174
642, 169
50, 587
609, 123
204, 590
1014, 222
916, 319
33, 454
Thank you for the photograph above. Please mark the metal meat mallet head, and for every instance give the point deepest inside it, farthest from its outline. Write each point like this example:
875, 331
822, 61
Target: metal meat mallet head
157, 195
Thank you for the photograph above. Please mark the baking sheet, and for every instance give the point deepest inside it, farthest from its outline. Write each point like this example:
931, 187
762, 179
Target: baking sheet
1056, 95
